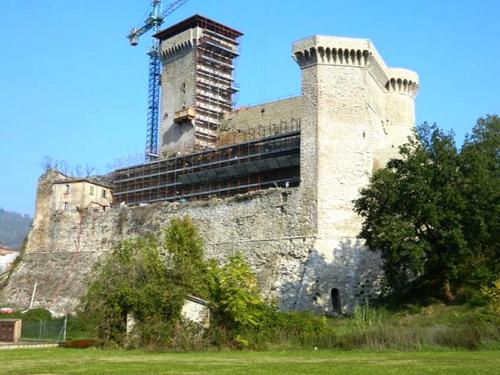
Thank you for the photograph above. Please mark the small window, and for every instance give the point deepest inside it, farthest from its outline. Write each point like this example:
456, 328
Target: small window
103, 193
66, 206
336, 305
66, 189
91, 191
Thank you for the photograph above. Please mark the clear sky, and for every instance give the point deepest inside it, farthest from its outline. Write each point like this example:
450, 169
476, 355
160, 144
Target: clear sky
72, 88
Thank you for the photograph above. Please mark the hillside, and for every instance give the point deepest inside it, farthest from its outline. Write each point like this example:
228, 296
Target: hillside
13, 229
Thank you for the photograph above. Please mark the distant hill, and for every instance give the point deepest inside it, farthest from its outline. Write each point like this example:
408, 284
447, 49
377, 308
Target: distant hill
13, 229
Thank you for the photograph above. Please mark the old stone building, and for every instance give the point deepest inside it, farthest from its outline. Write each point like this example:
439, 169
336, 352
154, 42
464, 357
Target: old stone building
275, 181
80, 193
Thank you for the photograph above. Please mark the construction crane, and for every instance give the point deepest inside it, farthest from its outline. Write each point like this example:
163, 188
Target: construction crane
153, 22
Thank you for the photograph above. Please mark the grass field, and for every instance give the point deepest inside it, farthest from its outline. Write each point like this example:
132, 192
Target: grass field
93, 361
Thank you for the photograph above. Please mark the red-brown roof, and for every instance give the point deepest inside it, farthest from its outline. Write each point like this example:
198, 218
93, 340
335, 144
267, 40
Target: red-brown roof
200, 21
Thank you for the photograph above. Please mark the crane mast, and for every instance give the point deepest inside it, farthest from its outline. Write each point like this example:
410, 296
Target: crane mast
153, 22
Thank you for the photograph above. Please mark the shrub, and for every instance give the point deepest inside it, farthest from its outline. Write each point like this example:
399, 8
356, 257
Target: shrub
365, 316
79, 344
289, 330
234, 294
133, 281
35, 315
492, 294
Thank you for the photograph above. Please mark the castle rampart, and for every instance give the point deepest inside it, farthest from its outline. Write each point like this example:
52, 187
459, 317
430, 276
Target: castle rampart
299, 234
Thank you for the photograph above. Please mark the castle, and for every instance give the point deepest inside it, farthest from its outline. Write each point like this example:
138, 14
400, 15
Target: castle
275, 181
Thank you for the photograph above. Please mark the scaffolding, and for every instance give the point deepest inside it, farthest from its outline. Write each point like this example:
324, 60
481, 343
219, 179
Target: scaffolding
220, 163
215, 52
263, 163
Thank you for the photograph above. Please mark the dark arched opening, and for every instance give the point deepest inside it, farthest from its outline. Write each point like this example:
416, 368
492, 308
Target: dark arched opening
336, 305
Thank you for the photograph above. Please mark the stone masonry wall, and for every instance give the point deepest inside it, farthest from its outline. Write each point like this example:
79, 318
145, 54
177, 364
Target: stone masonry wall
268, 227
346, 100
178, 82
266, 115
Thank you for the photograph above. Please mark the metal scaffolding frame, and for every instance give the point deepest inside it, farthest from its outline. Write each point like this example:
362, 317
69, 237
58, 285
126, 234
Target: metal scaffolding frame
215, 52
273, 161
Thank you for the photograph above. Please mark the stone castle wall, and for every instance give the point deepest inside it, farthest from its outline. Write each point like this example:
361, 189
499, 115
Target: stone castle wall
268, 227
266, 115
354, 112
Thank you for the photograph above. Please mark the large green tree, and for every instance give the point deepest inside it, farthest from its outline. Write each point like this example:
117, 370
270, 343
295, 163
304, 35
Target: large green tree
433, 213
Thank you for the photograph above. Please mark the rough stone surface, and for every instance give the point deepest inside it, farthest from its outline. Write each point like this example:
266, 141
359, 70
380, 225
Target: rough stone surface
179, 81
266, 227
354, 117
266, 116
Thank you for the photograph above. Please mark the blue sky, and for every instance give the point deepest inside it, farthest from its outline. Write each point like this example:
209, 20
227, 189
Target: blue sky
71, 87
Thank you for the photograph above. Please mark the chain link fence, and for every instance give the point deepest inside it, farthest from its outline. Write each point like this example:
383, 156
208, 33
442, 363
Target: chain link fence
49, 331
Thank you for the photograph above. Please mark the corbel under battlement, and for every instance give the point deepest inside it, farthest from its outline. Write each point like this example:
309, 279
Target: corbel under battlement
352, 52
179, 44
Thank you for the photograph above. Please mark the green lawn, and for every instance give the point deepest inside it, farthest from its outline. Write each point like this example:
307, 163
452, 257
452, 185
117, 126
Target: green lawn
93, 361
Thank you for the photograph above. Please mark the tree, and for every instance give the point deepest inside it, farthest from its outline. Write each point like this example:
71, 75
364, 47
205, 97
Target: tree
434, 212
185, 248
133, 279
234, 293
480, 163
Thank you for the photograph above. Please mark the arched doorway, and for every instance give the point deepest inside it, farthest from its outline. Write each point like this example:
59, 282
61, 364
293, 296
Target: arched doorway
336, 304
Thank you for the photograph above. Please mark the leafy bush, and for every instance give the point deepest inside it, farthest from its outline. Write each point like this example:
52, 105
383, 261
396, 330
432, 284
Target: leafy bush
133, 281
280, 329
35, 315
492, 294
186, 265
234, 293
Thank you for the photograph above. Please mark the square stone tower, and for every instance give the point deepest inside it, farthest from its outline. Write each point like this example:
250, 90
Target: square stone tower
356, 113
197, 83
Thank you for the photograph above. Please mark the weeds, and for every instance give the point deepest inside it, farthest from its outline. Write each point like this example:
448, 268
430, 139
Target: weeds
365, 316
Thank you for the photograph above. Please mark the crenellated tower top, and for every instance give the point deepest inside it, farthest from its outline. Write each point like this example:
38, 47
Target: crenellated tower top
340, 51
402, 81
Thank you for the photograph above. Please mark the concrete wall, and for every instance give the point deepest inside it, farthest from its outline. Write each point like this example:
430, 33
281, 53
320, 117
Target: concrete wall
196, 311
